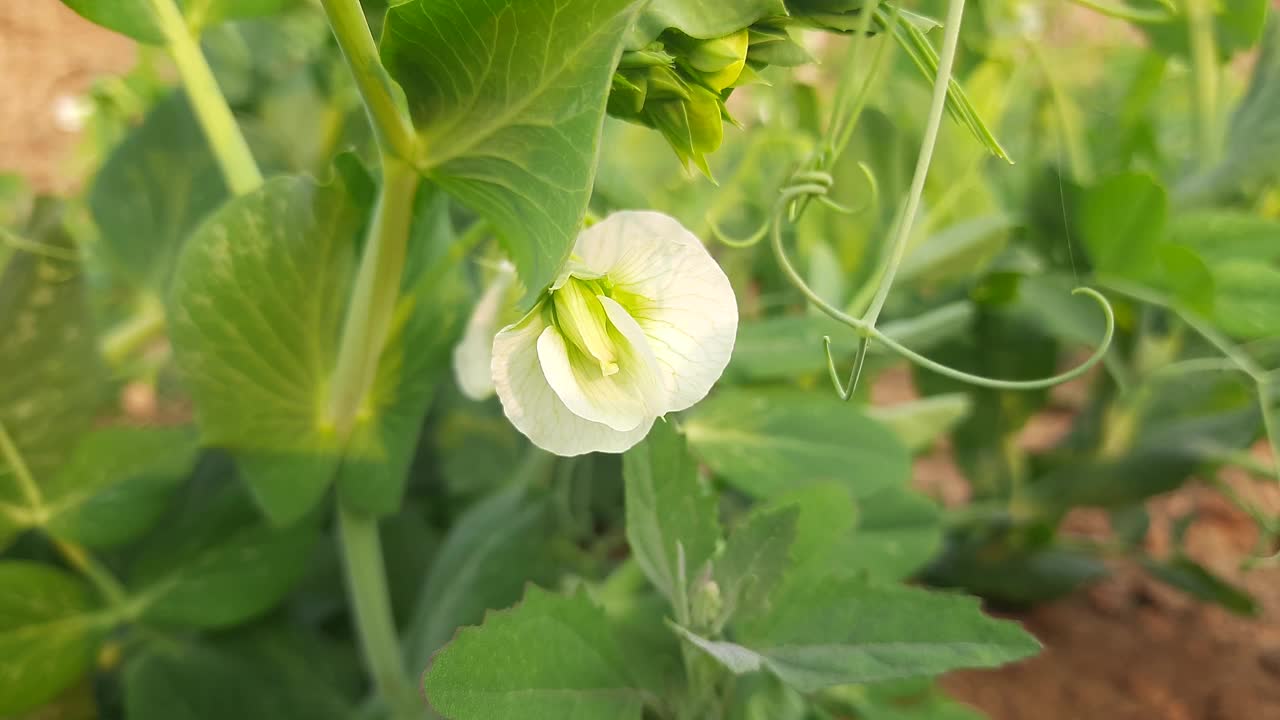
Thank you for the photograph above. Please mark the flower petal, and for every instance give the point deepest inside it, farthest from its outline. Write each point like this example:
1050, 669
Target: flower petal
623, 400
682, 299
535, 409
472, 356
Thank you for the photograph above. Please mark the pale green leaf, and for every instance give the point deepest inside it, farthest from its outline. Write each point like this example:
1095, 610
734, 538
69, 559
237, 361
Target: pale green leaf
919, 423
151, 193
755, 559
50, 376
219, 564
548, 658
1122, 223
509, 101
846, 632
116, 483
48, 635
1247, 302
263, 675
492, 550
764, 443
704, 19
671, 518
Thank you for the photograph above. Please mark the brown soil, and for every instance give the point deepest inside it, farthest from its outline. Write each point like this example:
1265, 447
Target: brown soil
1126, 649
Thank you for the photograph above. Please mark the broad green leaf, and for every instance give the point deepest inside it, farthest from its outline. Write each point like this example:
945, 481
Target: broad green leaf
704, 19
1253, 138
116, 483
219, 564
1014, 576
48, 635
1247, 302
785, 346
257, 306
548, 658
476, 444
755, 559
898, 531
491, 551
134, 18
956, 251
1219, 235
846, 632
764, 697
1194, 579
509, 101
918, 423
76, 703
50, 376
764, 443
672, 519
1237, 26
262, 675
154, 189
902, 700
1122, 222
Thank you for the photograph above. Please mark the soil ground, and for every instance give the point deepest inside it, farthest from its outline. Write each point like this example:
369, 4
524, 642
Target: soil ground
1125, 649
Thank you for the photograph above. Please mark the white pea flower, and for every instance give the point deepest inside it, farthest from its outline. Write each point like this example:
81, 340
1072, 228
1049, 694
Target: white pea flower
474, 352
639, 324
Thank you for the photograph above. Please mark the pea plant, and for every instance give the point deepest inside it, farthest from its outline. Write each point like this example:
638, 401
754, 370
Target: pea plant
509, 359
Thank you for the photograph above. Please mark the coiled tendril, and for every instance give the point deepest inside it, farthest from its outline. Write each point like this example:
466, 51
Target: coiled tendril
814, 181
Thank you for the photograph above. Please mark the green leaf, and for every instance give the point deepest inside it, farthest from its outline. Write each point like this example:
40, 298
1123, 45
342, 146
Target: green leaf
116, 483
509, 101
1247, 304
47, 635
1122, 222
846, 632
1237, 26
766, 442
128, 17
219, 564
1219, 235
547, 656
957, 251
50, 376
898, 531
257, 306
1192, 578
492, 550
671, 519
784, 346
262, 675
919, 423
755, 559
703, 19
154, 189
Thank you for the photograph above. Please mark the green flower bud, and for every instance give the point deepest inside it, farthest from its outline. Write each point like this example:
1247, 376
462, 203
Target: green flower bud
720, 60
707, 604
664, 83
628, 94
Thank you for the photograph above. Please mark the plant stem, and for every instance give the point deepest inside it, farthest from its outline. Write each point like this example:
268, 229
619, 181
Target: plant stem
144, 326
367, 587
376, 292
391, 124
220, 129
106, 583
946, 60
1204, 58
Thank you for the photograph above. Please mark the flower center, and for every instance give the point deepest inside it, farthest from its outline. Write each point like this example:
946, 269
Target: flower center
581, 318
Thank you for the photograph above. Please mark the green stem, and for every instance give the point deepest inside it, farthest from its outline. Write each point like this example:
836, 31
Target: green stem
212, 111
946, 60
367, 587
144, 326
391, 124
1204, 58
106, 583
376, 293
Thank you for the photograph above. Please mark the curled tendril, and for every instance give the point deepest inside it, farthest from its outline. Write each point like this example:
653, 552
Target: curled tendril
819, 180
1122, 11
810, 184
